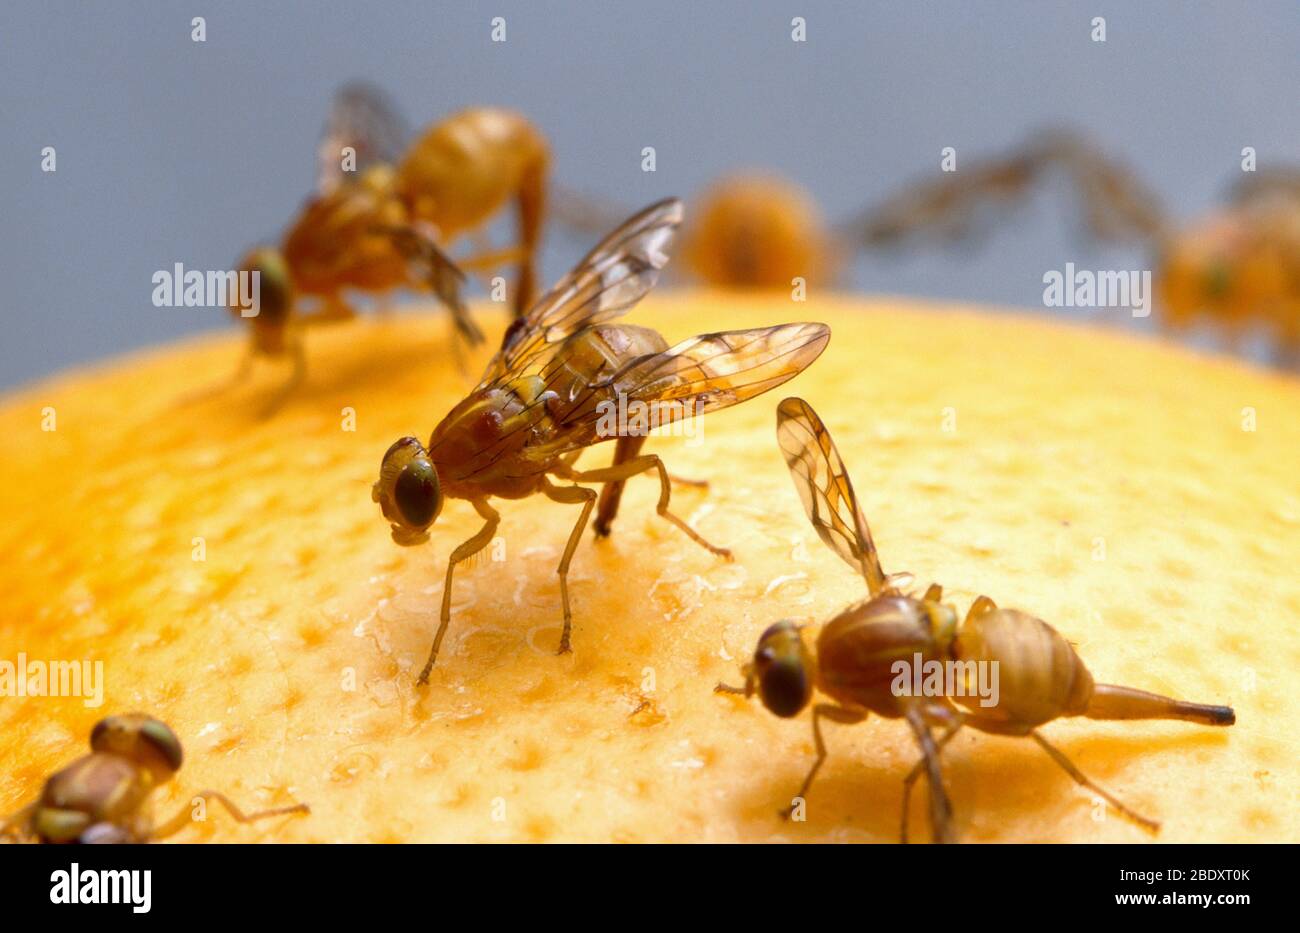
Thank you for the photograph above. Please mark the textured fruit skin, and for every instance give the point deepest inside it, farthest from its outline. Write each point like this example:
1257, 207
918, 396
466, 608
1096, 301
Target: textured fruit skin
1064, 435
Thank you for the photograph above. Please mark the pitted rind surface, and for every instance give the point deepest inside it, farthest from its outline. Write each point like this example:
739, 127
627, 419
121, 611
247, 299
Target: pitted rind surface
1099, 481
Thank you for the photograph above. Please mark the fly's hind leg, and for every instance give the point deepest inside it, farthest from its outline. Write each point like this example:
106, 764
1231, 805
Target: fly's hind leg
464, 551
185, 817
627, 447
571, 495
641, 464
835, 714
1068, 766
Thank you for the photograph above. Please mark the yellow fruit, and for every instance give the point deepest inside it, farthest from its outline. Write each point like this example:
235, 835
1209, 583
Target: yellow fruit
1142, 499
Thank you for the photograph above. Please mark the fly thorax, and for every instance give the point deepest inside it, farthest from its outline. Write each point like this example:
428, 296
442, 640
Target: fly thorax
863, 652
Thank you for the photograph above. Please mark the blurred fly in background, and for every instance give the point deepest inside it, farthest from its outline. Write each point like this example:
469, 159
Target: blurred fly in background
1237, 269
386, 210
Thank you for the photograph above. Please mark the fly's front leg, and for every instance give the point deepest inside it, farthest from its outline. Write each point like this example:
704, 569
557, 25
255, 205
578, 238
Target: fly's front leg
16, 824
835, 714
570, 495
466, 550
238, 376
292, 383
185, 817
640, 465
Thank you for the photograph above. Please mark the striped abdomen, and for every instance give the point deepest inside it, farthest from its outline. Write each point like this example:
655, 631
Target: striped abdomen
1039, 676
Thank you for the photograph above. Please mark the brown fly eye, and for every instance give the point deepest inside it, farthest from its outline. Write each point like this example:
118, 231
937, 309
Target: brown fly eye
161, 737
99, 734
784, 687
782, 669
416, 493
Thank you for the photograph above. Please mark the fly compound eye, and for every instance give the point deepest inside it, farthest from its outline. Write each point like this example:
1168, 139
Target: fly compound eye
783, 670
99, 735
159, 736
784, 686
408, 491
416, 493
274, 287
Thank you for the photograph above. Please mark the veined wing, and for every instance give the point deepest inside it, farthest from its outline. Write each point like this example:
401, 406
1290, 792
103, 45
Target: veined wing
703, 374
606, 283
431, 265
364, 118
825, 489
1280, 182
1114, 204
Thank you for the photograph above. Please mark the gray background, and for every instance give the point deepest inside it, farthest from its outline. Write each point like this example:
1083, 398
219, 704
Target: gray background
171, 151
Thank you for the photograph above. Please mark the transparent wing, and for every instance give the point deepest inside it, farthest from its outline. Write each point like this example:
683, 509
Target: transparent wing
606, 283
825, 489
959, 205
703, 374
364, 118
1266, 184
431, 265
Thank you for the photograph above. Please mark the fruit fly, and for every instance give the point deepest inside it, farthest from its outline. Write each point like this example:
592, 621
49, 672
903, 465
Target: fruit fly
752, 230
548, 393
104, 797
383, 220
855, 664
1237, 267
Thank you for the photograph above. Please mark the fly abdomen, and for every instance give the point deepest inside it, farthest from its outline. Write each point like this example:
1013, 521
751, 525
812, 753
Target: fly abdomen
1038, 674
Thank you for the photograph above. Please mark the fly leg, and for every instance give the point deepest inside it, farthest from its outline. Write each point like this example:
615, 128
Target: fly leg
953, 728
940, 808
981, 605
464, 551
626, 448
1069, 768
15, 824
531, 202
571, 495
185, 817
333, 309
835, 714
295, 379
238, 376
641, 464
